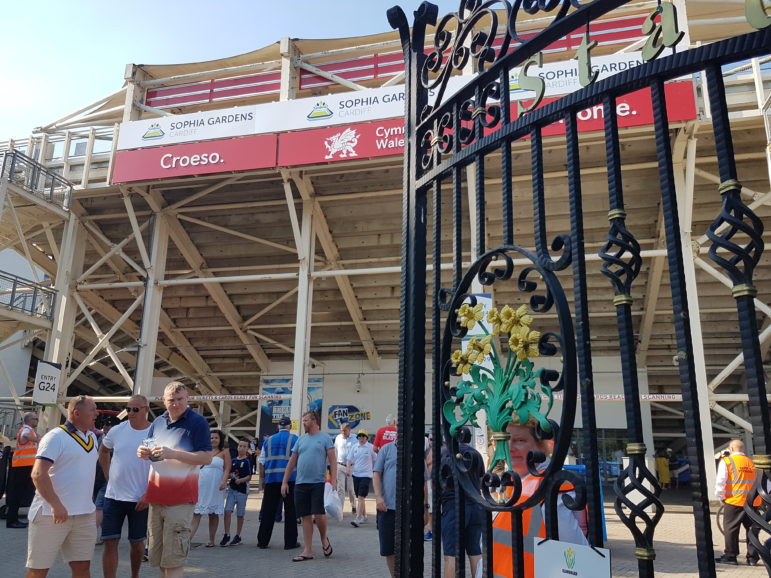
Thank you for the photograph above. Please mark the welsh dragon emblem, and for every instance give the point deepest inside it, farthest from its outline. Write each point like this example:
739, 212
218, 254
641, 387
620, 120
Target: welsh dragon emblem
343, 143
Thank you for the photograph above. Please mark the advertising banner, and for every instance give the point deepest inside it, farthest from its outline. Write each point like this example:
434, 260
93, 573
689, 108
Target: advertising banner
350, 414
200, 158
337, 109
327, 145
46, 382
273, 410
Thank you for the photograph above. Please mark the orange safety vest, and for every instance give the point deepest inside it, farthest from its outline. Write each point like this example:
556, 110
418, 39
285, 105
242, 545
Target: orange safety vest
741, 476
533, 527
24, 454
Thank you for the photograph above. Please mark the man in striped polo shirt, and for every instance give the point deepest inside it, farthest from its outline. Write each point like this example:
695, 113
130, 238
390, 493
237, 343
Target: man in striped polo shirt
277, 450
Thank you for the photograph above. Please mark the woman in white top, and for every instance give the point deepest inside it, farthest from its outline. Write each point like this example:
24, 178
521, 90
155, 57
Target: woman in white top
212, 482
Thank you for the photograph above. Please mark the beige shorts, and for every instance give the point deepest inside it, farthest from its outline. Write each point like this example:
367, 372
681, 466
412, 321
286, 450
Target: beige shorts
75, 539
169, 536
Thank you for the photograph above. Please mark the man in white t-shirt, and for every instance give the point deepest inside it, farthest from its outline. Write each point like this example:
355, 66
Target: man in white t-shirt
62, 513
345, 442
126, 476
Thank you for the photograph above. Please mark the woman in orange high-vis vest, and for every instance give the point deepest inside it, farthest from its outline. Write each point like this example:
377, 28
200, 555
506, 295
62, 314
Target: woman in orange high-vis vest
21, 490
572, 525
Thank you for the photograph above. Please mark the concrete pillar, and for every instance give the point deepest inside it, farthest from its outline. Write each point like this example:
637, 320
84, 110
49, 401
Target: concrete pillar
684, 181
151, 311
59, 345
303, 323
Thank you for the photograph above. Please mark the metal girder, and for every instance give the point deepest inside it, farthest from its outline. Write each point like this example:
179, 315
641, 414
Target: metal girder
329, 76
324, 235
238, 234
196, 261
137, 231
103, 340
202, 193
99, 236
189, 363
106, 344
114, 250
267, 308
22, 238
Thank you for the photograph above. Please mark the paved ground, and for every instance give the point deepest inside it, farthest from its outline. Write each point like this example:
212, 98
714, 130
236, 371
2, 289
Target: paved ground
356, 551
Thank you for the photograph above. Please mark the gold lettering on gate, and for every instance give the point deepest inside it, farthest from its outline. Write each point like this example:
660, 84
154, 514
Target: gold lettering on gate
586, 75
665, 34
756, 14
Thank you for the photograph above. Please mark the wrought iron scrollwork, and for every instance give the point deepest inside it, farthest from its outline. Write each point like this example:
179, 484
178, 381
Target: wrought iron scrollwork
636, 480
513, 389
620, 255
739, 232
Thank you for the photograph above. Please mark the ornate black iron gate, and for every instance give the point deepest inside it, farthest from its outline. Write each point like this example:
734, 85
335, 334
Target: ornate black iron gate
462, 143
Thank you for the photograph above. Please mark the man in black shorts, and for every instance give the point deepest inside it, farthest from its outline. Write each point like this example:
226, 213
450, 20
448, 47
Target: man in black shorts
310, 455
384, 484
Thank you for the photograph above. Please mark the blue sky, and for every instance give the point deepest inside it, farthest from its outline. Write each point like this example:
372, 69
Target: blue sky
61, 55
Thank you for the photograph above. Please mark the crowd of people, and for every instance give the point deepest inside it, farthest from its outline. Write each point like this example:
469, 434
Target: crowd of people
162, 477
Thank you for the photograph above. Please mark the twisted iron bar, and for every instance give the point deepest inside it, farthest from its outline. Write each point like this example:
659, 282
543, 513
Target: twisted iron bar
632, 481
736, 222
621, 265
620, 255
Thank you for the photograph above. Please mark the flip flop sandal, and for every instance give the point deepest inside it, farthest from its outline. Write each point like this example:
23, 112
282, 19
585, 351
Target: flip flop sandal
210, 545
327, 549
301, 558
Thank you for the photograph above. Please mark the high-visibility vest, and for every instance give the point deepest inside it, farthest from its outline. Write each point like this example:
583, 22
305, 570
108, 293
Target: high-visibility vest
533, 527
741, 476
24, 454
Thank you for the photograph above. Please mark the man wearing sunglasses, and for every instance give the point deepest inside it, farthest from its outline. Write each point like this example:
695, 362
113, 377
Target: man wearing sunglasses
127, 476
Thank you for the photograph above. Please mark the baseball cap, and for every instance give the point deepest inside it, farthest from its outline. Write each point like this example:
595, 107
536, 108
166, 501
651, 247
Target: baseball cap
362, 432
284, 421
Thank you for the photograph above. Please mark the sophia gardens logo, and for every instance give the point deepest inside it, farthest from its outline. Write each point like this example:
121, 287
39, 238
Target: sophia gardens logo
320, 112
153, 132
570, 558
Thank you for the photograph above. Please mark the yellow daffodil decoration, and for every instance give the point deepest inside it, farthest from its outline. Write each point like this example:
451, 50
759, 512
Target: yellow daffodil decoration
498, 374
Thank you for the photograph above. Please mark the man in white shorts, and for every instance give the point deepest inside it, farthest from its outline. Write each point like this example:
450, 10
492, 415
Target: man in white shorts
127, 476
62, 513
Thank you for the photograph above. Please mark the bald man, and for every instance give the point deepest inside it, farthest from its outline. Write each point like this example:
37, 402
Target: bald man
735, 477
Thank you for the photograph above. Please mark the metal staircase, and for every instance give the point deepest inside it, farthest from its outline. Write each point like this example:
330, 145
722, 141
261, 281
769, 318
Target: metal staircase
32, 199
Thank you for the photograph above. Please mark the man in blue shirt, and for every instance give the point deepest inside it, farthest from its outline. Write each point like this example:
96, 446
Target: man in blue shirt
311, 454
277, 450
384, 484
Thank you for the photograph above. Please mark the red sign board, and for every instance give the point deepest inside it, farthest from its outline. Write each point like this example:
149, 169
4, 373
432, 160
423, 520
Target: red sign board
357, 141
342, 143
201, 158
384, 138
634, 109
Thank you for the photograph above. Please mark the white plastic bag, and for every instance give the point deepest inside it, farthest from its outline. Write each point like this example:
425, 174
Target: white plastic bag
332, 503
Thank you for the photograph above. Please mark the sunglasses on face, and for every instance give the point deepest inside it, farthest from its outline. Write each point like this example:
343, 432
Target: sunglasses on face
134, 409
